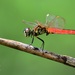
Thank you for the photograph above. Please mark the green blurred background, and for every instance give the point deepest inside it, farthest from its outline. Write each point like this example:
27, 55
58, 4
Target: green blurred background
12, 12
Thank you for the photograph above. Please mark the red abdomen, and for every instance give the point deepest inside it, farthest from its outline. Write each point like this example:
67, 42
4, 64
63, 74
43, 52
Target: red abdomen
60, 31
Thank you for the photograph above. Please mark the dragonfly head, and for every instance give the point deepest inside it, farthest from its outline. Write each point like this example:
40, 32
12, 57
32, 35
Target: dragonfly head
27, 32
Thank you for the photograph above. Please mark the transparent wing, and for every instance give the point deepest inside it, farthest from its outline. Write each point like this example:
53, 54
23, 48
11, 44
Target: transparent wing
29, 23
54, 21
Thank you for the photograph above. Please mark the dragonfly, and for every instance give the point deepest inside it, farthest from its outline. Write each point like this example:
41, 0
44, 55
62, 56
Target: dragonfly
53, 25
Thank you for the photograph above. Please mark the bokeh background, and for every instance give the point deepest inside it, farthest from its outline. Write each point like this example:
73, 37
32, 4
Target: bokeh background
12, 12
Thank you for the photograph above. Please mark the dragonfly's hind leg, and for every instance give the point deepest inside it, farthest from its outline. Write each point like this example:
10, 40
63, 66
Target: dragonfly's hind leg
42, 46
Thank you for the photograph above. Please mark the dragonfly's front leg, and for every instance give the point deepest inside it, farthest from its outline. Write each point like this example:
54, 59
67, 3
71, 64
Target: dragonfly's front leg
42, 46
32, 40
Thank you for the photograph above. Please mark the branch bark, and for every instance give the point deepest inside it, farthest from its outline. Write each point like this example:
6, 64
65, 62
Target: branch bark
64, 59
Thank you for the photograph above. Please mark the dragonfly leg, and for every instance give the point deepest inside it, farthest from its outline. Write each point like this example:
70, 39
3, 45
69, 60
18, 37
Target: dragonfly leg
32, 40
42, 46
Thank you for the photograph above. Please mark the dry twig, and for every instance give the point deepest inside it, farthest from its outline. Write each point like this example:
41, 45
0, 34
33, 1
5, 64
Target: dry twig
64, 59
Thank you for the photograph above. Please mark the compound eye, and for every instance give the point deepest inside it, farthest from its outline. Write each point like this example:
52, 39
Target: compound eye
27, 32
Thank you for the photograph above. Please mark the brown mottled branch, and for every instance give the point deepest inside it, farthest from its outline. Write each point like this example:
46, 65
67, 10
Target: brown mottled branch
64, 59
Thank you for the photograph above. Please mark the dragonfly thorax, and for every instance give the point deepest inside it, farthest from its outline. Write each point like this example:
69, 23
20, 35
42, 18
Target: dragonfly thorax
40, 30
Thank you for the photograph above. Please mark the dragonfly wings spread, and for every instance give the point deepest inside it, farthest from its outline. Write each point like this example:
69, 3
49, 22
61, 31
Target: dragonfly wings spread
52, 21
